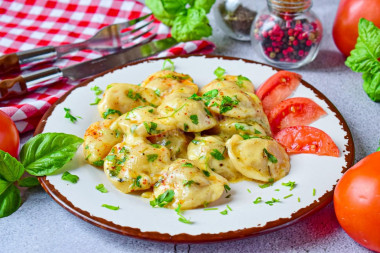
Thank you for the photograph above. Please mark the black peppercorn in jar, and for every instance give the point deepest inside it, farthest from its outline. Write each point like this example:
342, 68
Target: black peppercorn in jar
235, 17
287, 34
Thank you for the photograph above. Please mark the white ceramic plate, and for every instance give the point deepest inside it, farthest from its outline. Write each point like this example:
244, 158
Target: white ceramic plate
312, 173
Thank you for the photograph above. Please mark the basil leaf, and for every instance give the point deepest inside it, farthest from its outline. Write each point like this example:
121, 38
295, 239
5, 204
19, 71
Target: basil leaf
10, 201
204, 4
10, 169
174, 6
28, 182
4, 185
192, 26
45, 153
159, 12
364, 58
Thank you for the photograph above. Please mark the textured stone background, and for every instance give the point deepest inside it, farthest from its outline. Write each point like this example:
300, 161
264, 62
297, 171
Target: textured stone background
41, 225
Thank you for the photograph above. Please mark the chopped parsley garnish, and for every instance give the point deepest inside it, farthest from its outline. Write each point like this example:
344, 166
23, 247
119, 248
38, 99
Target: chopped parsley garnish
227, 188
240, 80
229, 208
185, 127
167, 143
228, 104
189, 183
257, 200
299, 199
101, 188
239, 126
208, 112
70, 177
150, 110
288, 196
196, 142
194, 119
110, 112
115, 171
163, 199
97, 100
207, 173
257, 131
247, 136
156, 145
290, 184
98, 163
209, 209
270, 183
210, 95
181, 217
171, 67
152, 157
136, 182
217, 155
151, 128
190, 165
219, 72
96, 90
111, 207
195, 97
69, 116
157, 92
248, 190
110, 157
314, 192
271, 157
135, 97
225, 212
271, 202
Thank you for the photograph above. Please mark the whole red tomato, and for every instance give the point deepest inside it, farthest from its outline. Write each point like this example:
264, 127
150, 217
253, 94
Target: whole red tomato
9, 138
357, 202
345, 30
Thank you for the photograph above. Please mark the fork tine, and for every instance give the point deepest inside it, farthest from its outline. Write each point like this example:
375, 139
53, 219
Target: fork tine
128, 40
132, 22
136, 29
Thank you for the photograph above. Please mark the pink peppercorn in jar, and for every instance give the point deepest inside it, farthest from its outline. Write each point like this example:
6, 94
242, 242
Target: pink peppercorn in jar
287, 34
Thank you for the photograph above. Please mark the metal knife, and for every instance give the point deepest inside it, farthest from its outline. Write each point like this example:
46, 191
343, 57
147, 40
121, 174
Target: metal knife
18, 86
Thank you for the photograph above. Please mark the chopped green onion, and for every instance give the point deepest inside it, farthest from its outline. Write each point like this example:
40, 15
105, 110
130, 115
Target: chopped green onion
152, 157
70, 177
210, 209
111, 207
271, 157
257, 200
288, 196
101, 188
171, 65
225, 212
290, 184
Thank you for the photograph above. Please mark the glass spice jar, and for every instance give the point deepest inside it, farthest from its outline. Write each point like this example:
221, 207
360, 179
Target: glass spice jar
287, 34
235, 17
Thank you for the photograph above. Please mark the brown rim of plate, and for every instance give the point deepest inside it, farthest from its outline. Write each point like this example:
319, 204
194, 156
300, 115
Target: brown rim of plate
201, 238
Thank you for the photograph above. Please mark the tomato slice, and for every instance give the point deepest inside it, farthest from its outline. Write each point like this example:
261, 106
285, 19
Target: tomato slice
277, 88
298, 111
9, 138
307, 139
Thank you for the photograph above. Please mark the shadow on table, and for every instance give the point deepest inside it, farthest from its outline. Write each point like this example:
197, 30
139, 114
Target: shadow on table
326, 59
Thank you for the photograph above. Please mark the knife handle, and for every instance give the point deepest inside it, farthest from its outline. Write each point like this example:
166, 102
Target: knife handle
13, 62
18, 86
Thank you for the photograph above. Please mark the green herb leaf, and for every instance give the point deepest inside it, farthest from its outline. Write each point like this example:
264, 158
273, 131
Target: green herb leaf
159, 12
69, 116
190, 165
217, 155
101, 188
195, 97
152, 157
208, 112
365, 58
151, 128
10, 169
70, 177
271, 202
228, 104
110, 112
239, 126
45, 153
28, 182
163, 199
156, 145
96, 90
257, 200
225, 212
290, 184
185, 127
206, 173
204, 4
271, 157
171, 65
193, 25
181, 217
227, 188
270, 183
114, 208
157, 92
136, 182
98, 163
196, 142
219, 72
10, 200
97, 100
194, 119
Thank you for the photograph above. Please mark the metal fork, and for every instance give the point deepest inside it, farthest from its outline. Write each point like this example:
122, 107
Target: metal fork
109, 39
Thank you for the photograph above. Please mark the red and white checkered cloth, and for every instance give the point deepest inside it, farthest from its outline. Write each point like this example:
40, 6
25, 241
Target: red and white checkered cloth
27, 24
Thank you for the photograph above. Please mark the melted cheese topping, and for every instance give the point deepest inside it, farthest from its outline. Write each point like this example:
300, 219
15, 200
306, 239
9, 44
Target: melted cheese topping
167, 136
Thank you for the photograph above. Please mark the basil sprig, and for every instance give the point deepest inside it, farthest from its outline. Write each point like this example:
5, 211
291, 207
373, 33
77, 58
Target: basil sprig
42, 155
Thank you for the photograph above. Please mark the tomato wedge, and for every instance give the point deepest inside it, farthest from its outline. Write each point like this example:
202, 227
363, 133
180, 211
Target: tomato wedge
277, 88
307, 139
298, 111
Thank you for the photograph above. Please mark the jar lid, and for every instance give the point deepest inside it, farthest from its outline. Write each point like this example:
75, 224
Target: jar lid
290, 6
